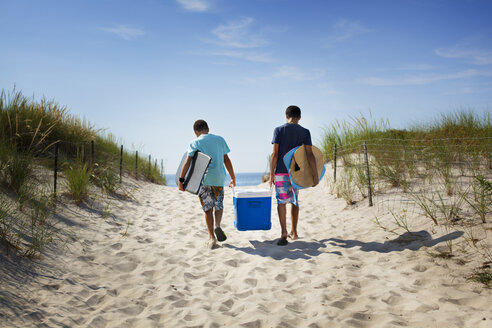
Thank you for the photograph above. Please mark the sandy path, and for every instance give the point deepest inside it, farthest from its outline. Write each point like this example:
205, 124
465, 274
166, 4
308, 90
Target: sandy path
344, 271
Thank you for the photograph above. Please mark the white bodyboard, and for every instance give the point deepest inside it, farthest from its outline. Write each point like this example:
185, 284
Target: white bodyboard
196, 172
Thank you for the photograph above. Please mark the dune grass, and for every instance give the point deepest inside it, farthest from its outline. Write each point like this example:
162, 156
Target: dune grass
34, 127
455, 141
77, 179
29, 131
441, 170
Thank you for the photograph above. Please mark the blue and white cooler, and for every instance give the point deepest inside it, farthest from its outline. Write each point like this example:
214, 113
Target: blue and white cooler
252, 209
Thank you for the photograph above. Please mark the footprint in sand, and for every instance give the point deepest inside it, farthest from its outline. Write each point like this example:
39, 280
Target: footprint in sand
252, 282
98, 322
88, 258
244, 294
180, 304
51, 287
419, 268
134, 310
214, 283
141, 240
95, 300
294, 307
393, 299
150, 274
281, 278
424, 308
343, 303
117, 246
362, 316
126, 267
228, 304
254, 324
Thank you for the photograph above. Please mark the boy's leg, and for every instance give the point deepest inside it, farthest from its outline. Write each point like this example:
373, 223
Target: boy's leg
219, 210
283, 195
218, 217
221, 236
294, 211
282, 216
207, 200
209, 220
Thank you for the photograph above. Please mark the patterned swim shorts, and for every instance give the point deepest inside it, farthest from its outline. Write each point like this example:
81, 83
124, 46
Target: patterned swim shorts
210, 197
284, 189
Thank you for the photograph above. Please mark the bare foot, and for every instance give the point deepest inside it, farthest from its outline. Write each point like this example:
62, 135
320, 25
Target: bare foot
212, 243
293, 236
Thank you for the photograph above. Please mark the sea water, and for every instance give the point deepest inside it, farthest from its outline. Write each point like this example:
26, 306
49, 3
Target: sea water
242, 179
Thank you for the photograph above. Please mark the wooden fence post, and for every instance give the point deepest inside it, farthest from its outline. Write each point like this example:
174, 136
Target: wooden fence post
369, 189
56, 169
93, 160
150, 163
136, 164
335, 164
121, 162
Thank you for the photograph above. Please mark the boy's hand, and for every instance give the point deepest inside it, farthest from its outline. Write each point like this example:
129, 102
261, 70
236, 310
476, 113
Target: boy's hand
272, 180
180, 186
316, 180
232, 183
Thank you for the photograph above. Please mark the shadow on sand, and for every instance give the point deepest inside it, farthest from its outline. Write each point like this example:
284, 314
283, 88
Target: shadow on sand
305, 250
409, 240
295, 250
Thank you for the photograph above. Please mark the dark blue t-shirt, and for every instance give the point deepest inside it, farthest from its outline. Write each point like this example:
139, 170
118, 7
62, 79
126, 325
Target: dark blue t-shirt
289, 136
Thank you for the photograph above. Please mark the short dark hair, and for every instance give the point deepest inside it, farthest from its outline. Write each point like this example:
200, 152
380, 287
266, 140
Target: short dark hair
293, 112
200, 125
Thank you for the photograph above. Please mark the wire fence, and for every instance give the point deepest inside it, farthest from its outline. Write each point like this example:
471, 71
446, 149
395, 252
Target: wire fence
51, 164
443, 179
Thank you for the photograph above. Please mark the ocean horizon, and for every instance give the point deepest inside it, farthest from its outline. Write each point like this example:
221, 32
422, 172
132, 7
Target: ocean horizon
242, 179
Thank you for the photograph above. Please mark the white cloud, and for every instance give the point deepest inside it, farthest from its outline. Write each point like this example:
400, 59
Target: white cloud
238, 35
421, 79
124, 32
194, 5
416, 67
344, 30
238, 39
474, 56
246, 55
294, 73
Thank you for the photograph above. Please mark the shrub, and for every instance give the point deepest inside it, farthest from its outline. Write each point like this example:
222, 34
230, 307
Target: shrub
78, 178
105, 178
481, 202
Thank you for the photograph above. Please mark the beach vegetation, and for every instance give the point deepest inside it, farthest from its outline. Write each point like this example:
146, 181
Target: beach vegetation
30, 131
481, 197
78, 177
345, 187
483, 276
440, 170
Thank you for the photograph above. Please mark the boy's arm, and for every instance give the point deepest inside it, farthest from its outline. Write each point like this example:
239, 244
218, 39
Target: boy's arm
185, 169
312, 164
230, 169
273, 163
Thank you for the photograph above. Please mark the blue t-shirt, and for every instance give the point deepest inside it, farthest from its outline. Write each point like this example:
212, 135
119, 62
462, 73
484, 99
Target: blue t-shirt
289, 136
215, 147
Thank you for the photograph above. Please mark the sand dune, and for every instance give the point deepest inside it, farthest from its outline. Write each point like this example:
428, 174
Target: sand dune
344, 271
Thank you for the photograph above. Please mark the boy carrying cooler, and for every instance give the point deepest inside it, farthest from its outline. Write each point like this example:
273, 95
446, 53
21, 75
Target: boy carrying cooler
211, 192
285, 138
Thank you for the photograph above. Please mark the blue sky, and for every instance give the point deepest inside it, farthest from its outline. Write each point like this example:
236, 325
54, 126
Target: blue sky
146, 70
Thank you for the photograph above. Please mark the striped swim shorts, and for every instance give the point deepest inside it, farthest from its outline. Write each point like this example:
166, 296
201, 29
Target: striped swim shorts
285, 192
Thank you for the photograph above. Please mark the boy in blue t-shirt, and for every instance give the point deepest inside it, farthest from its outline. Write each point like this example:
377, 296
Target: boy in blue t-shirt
211, 192
285, 138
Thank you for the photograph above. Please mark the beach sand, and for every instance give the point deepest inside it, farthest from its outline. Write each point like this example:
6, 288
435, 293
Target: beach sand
344, 271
